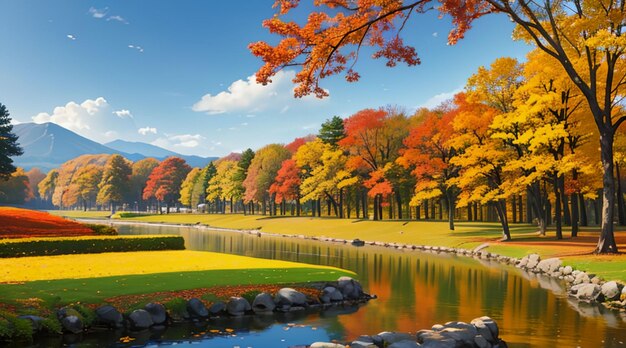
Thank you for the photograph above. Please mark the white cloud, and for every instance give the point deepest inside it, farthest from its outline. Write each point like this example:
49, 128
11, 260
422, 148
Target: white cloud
179, 141
435, 34
138, 48
123, 113
98, 13
92, 119
118, 19
250, 97
244, 124
147, 130
436, 100
71, 37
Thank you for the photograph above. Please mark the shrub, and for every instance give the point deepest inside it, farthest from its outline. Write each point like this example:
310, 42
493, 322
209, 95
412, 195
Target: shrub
87, 315
102, 230
88, 245
177, 308
14, 328
51, 326
210, 298
123, 215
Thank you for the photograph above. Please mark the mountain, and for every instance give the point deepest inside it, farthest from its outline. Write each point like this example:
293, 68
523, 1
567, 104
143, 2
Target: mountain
149, 150
48, 145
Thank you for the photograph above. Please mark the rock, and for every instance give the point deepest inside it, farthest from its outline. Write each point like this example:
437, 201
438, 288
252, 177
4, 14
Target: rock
350, 288
326, 345
237, 306
404, 344
110, 316
580, 278
35, 321
393, 337
72, 323
567, 270
595, 280
588, 291
460, 332
434, 339
549, 265
217, 308
157, 313
491, 333
363, 342
610, 290
533, 261
66, 312
289, 297
481, 342
333, 294
623, 295
196, 308
263, 303
140, 319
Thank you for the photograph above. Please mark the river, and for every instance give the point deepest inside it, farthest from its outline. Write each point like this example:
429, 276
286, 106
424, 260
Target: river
415, 290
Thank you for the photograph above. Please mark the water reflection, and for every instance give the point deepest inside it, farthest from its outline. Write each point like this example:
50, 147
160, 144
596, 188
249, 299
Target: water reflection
416, 290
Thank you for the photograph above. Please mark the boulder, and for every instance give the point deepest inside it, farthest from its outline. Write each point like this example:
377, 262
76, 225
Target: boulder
66, 312
567, 270
350, 288
217, 308
110, 316
363, 342
434, 339
533, 261
333, 294
588, 291
393, 337
72, 323
263, 303
157, 312
610, 290
140, 319
481, 342
404, 344
623, 295
289, 297
35, 321
492, 332
581, 278
460, 332
326, 345
549, 265
237, 306
197, 309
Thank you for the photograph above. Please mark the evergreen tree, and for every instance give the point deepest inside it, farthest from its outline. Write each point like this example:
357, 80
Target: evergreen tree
115, 181
332, 131
8, 145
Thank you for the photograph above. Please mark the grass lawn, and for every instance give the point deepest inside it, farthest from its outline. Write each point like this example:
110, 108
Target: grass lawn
92, 278
574, 251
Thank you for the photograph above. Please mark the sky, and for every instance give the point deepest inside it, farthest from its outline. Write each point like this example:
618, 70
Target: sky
178, 74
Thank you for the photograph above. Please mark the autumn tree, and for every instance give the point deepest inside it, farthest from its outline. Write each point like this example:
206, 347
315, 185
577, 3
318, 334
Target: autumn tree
201, 184
65, 194
8, 144
115, 182
243, 164
585, 37
261, 173
47, 186
165, 181
187, 187
35, 176
428, 153
286, 186
83, 189
16, 189
222, 185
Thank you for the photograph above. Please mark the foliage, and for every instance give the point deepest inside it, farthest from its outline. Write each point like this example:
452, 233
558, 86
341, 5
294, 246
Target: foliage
35, 176
165, 180
10, 248
87, 315
18, 223
14, 328
16, 188
8, 144
332, 131
188, 186
286, 185
102, 230
262, 171
250, 295
67, 190
47, 186
115, 181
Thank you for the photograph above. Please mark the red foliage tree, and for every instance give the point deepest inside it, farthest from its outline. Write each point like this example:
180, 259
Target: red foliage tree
165, 181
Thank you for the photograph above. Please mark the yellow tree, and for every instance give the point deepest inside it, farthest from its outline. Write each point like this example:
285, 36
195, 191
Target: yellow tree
187, 188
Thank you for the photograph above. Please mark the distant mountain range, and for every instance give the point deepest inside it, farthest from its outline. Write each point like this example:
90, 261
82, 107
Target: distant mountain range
48, 145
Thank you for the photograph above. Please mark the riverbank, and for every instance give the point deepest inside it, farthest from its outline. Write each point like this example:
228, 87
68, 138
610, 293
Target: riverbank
576, 252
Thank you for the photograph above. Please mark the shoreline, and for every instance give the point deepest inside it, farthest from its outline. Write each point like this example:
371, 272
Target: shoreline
581, 286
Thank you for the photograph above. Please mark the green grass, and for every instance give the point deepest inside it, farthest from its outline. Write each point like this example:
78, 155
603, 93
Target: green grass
96, 290
79, 214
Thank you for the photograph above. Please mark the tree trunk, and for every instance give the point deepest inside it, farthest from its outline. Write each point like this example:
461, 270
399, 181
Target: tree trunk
557, 207
451, 207
399, 204
621, 209
319, 207
341, 203
567, 218
575, 207
425, 204
501, 211
380, 207
606, 242
364, 202
469, 212
513, 206
417, 212
376, 208
584, 219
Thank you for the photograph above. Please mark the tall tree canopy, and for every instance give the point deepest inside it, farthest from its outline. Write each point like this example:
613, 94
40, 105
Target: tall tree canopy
8, 144
585, 37
115, 182
165, 181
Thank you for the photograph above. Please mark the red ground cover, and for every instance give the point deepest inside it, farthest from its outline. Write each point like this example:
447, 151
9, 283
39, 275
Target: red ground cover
24, 223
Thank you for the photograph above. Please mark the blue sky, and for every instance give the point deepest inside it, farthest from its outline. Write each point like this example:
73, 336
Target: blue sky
177, 73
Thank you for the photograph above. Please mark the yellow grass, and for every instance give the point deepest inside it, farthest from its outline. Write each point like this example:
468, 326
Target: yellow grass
136, 263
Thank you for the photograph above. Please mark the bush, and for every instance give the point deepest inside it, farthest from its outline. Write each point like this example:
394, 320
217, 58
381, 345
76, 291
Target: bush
51, 326
88, 245
177, 308
102, 230
14, 328
87, 315
123, 215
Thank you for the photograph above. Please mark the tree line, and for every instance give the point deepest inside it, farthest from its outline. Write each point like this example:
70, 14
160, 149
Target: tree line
515, 146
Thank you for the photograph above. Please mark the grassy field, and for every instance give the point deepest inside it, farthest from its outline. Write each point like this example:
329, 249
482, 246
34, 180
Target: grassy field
92, 278
574, 251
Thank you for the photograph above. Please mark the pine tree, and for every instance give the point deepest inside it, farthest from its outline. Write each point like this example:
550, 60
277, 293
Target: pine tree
8, 145
332, 131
